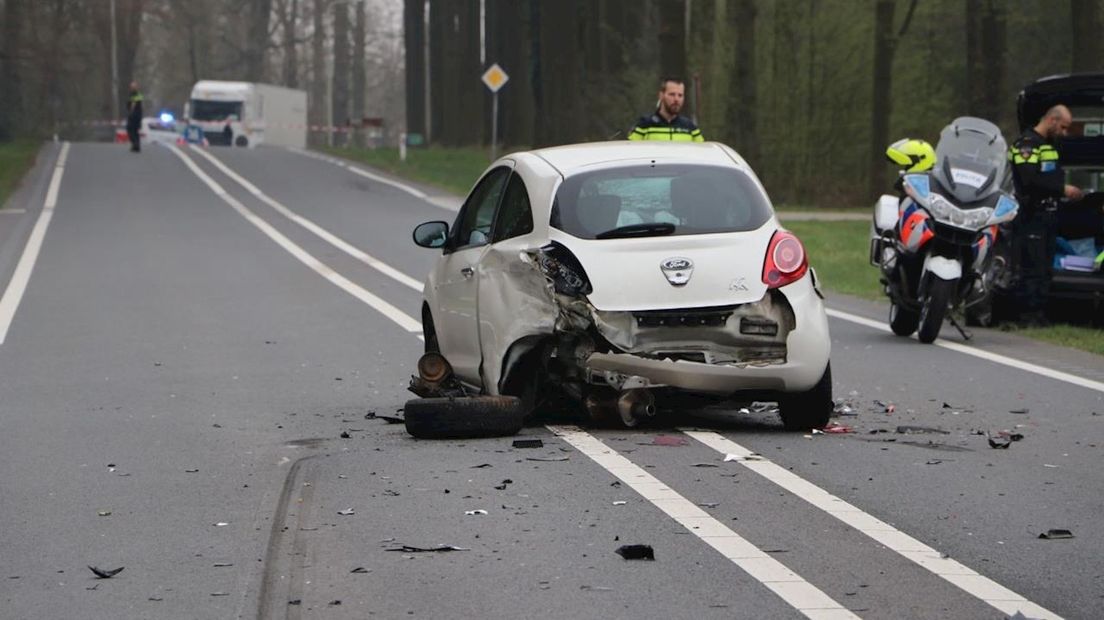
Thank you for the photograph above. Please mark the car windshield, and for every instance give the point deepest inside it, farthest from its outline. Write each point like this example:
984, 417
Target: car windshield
203, 110
971, 158
655, 200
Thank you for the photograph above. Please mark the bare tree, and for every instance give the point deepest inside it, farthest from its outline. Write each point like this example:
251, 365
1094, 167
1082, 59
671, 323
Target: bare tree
257, 39
358, 70
672, 38
318, 89
11, 102
743, 111
414, 42
288, 11
885, 44
1086, 35
340, 89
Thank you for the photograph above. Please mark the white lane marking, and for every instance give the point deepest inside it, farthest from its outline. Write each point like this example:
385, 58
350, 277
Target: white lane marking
383, 307
798, 593
444, 202
979, 353
973, 583
22, 274
324, 234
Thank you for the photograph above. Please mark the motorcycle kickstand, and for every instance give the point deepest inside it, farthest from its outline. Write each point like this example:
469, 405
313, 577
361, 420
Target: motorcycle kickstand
966, 335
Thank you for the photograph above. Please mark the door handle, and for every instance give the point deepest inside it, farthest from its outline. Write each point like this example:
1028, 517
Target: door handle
467, 272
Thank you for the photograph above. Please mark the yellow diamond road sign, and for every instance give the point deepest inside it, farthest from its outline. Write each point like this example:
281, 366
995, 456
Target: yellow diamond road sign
495, 78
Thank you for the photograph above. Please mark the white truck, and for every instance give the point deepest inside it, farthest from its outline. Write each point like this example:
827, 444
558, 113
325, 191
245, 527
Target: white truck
248, 113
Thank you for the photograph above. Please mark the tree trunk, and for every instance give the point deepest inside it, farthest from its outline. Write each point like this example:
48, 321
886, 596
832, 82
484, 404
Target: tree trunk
11, 103
257, 40
993, 37
340, 88
508, 43
743, 117
474, 108
881, 103
559, 70
414, 44
289, 18
672, 38
1087, 48
317, 104
358, 73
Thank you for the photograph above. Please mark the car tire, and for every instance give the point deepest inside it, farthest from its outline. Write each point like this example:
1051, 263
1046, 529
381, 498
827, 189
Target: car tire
241, 141
902, 320
935, 308
463, 417
811, 409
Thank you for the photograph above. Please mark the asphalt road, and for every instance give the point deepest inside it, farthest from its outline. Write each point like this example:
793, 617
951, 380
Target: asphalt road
179, 373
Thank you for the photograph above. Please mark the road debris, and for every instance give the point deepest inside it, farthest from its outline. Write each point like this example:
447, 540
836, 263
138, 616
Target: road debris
636, 552
390, 419
704, 465
475, 513
222, 564
360, 570
1056, 534
481, 466
528, 443
999, 443
191, 471
502, 487
103, 513
709, 504
620, 502
596, 588
737, 457
295, 601
547, 459
437, 549
345, 435
347, 512
1025, 410
220, 524
837, 429
669, 440
105, 574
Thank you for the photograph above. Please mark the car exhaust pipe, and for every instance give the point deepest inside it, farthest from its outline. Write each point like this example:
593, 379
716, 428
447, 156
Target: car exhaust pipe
635, 405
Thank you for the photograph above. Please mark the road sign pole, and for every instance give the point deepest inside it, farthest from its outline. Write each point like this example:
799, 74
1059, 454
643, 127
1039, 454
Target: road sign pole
494, 126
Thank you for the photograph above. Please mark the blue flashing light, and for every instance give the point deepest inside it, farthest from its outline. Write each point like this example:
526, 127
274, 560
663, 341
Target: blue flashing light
1005, 206
167, 118
920, 184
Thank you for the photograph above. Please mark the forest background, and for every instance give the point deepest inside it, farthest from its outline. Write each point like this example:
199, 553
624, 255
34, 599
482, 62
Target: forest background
809, 91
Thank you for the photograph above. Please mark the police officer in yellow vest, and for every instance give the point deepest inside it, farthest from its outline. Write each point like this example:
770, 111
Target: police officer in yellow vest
666, 123
1040, 182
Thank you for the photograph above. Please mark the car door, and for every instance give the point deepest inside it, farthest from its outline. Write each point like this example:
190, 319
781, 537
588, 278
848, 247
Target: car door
457, 277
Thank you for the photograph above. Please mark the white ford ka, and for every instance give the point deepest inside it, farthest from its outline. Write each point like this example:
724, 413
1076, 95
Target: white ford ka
620, 275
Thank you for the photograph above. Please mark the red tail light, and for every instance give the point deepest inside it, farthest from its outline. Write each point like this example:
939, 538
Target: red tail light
785, 262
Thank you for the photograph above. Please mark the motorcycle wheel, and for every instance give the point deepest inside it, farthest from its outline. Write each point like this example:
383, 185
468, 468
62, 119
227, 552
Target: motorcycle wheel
902, 321
935, 308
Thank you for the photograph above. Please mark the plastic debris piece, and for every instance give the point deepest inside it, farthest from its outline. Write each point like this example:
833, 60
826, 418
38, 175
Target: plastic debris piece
1056, 534
437, 549
481, 466
999, 443
103, 513
295, 601
336, 601
191, 471
620, 503
669, 440
502, 487
222, 564
910, 430
345, 435
474, 513
106, 574
528, 443
596, 588
636, 552
547, 459
347, 512
836, 429
737, 457
704, 465
360, 570
933, 462
390, 419
1020, 411
817, 431
709, 504
220, 524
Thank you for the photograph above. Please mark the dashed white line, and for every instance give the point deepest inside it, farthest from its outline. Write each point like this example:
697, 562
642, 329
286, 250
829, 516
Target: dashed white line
956, 573
982, 354
788, 585
383, 307
17, 286
321, 232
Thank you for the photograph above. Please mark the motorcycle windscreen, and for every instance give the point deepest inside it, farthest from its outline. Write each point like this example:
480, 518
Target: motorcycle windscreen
971, 160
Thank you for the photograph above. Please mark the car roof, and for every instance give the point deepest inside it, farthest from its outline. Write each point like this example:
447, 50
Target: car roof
572, 157
1074, 90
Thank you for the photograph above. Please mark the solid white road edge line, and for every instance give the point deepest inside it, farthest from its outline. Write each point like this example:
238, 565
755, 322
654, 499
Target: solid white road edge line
968, 580
979, 353
322, 233
789, 586
381, 306
438, 201
9, 303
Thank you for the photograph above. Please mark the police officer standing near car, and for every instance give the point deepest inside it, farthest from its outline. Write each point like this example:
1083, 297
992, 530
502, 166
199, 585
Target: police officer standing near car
666, 123
1040, 182
134, 117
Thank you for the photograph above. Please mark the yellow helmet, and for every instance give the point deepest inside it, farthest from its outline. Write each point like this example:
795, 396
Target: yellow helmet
911, 155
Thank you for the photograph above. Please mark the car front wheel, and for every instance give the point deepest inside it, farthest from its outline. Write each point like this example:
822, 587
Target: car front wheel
811, 409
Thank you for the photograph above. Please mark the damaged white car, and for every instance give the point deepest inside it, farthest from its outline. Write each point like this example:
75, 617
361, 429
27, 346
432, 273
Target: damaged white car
618, 274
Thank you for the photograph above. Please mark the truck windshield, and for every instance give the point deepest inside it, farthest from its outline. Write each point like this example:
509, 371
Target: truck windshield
215, 110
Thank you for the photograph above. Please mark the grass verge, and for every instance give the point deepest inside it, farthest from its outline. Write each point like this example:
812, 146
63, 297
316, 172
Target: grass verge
838, 250
16, 158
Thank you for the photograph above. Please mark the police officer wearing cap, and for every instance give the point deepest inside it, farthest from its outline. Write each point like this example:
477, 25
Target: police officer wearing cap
1040, 182
666, 123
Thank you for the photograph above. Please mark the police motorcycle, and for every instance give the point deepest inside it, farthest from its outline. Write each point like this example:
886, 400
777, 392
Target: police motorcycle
933, 242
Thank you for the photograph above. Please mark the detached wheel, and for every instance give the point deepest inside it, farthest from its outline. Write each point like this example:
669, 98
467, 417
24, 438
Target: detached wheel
935, 308
902, 321
806, 410
464, 417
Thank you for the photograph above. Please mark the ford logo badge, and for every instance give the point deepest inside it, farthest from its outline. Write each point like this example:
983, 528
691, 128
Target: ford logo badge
677, 270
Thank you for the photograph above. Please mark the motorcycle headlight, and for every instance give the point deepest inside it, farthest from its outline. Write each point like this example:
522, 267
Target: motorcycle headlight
945, 211
940, 207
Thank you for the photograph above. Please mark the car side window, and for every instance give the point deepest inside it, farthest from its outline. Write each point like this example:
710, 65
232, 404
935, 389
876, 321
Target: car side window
515, 216
473, 225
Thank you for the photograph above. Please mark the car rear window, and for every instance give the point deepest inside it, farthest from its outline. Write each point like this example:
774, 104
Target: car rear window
695, 199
